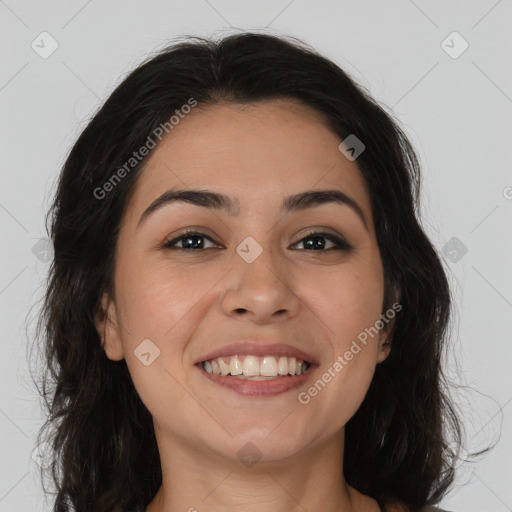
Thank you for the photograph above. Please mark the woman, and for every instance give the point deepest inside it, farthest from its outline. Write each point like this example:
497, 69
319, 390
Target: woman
243, 311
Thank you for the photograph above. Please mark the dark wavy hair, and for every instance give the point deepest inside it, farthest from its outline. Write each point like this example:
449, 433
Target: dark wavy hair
105, 453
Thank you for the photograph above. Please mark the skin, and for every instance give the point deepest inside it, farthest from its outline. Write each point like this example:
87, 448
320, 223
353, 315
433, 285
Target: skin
190, 303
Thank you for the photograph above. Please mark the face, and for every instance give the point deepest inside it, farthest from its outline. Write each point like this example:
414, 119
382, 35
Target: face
306, 275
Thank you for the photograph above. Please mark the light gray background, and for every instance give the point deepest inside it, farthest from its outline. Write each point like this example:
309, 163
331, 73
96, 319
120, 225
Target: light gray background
457, 112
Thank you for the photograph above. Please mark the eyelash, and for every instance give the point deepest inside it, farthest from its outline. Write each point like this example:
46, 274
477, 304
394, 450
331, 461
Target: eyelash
341, 244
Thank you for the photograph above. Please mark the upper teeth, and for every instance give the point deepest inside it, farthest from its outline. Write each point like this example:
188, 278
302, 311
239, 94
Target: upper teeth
268, 366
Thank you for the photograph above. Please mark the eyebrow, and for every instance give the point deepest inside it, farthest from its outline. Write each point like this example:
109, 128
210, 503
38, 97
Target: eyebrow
218, 201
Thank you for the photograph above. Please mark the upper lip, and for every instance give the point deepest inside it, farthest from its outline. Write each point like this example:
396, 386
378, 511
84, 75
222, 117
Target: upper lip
259, 349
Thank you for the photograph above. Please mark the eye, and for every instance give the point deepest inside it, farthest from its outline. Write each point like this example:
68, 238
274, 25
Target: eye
316, 241
190, 241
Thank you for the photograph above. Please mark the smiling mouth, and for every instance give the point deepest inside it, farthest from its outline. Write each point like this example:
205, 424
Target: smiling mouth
249, 367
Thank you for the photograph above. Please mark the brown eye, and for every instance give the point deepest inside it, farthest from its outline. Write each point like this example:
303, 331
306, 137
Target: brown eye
190, 241
316, 241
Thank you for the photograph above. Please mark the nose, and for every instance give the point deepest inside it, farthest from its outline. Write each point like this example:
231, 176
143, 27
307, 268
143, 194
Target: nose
261, 291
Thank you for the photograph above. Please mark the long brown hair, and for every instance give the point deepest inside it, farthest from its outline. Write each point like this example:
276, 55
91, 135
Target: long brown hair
106, 457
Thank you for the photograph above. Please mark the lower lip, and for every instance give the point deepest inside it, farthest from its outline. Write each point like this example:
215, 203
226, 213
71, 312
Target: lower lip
259, 387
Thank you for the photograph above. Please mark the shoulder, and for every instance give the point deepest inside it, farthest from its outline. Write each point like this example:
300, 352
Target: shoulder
433, 509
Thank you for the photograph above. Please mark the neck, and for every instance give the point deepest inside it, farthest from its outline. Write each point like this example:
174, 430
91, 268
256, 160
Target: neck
194, 480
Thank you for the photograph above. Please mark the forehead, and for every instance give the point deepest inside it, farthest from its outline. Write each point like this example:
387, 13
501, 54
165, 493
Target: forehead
256, 152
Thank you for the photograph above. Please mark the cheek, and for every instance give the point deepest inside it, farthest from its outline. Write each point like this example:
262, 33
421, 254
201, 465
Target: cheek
156, 297
158, 304
352, 307
348, 301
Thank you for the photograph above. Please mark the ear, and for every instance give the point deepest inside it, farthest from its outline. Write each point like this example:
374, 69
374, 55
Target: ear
384, 347
388, 317
107, 326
